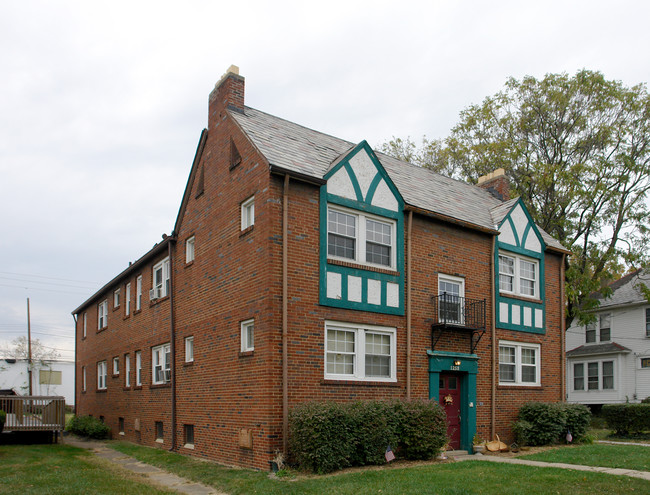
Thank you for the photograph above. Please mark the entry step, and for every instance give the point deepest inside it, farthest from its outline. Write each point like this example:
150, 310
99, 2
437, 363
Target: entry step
455, 453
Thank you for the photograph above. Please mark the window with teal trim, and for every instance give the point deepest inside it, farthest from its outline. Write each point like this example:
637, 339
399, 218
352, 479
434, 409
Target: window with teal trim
518, 275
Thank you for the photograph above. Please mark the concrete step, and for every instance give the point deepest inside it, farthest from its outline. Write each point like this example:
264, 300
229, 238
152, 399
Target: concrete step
456, 453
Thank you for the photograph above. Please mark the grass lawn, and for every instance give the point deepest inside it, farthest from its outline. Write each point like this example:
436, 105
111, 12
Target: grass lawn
61, 469
616, 456
441, 478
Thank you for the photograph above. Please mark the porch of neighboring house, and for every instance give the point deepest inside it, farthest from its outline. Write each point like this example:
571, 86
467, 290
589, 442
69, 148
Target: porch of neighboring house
30, 413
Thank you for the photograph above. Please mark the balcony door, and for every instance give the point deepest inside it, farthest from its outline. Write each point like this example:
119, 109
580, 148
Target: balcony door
451, 292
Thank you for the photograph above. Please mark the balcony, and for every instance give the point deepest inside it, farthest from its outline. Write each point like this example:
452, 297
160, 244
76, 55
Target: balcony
458, 314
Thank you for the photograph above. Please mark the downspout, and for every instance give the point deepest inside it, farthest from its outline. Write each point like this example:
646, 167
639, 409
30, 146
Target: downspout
495, 346
285, 295
76, 398
562, 335
172, 343
408, 306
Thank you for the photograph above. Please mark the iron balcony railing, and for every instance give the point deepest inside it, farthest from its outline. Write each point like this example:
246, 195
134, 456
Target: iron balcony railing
33, 413
451, 310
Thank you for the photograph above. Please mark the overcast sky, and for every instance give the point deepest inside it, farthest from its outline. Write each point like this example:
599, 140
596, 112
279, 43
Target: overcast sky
102, 105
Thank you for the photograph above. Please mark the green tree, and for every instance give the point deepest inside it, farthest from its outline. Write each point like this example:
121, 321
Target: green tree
577, 150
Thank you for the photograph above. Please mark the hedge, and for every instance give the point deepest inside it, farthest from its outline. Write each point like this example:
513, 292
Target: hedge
87, 426
541, 423
327, 436
627, 419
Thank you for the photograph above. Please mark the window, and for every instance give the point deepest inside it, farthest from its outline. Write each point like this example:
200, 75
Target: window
248, 213
247, 335
645, 362
83, 378
647, 322
127, 299
360, 237
519, 364
138, 368
102, 315
189, 349
360, 353
188, 434
138, 293
116, 298
451, 304
599, 330
159, 432
189, 250
600, 376
121, 425
85, 317
101, 375
160, 364
116, 366
49, 377
160, 280
127, 370
518, 275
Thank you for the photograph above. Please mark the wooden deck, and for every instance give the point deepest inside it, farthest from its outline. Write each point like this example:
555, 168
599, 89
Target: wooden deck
33, 413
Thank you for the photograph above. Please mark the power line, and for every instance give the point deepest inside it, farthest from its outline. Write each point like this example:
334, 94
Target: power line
48, 283
45, 290
50, 278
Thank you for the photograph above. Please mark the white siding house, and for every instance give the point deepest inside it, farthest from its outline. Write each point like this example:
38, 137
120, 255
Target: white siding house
608, 361
49, 378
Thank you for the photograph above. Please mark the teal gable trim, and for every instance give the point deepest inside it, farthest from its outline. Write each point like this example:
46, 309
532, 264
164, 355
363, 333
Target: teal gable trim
385, 281
514, 304
440, 362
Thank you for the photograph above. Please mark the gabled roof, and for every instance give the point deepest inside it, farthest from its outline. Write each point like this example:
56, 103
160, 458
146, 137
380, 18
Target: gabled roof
626, 290
594, 349
294, 148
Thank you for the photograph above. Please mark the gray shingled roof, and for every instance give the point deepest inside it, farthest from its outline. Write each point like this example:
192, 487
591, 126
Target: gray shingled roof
301, 150
594, 349
626, 290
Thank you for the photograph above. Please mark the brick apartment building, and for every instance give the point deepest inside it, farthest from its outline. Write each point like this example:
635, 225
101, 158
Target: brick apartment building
305, 267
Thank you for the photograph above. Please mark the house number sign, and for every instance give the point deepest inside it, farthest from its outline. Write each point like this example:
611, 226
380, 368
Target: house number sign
453, 367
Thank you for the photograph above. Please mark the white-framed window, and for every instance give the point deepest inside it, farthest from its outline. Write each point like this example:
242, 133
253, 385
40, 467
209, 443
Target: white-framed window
519, 364
593, 375
451, 304
599, 330
360, 352
189, 249
160, 433
101, 375
102, 314
138, 368
116, 365
127, 299
127, 370
160, 364
116, 298
83, 378
360, 237
247, 335
647, 322
518, 275
248, 213
138, 293
160, 279
85, 321
189, 349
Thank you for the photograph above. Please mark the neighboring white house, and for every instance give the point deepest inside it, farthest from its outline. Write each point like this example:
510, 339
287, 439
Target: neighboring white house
48, 378
608, 361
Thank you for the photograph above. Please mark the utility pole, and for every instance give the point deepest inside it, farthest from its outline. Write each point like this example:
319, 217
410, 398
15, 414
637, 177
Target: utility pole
29, 350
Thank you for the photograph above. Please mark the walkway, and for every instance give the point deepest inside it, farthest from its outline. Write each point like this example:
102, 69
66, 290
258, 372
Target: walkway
155, 475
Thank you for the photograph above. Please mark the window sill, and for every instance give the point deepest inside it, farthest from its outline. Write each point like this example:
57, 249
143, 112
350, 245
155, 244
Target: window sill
244, 354
101, 329
246, 230
359, 266
137, 387
158, 301
187, 265
126, 389
189, 446
101, 391
160, 440
519, 386
121, 433
359, 383
126, 317
160, 385
137, 311
521, 298
188, 363
115, 375
115, 308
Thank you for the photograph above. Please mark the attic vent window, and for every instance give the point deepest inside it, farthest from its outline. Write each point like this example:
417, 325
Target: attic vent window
235, 157
201, 180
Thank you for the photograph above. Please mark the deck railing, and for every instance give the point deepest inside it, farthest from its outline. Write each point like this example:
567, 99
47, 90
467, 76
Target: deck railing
33, 413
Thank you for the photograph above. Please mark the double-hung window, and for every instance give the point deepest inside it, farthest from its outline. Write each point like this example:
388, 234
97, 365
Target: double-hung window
127, 370
361, 238
519, 364
116, 366
160, 364
83, 378
248, 213
360, 352
101, 375
599, 330
594, 375
189, 249
85, 320
247, 335
138, 293
116, 298
160, 279
138, 368
102, 314
518, 275
451, 292
127, 299
189, 349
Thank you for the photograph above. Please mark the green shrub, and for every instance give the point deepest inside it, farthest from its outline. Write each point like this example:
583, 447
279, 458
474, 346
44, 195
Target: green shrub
326, 436
87, 426
523, 431
627, 419
578, 419
646, 400
3, 417
541, 423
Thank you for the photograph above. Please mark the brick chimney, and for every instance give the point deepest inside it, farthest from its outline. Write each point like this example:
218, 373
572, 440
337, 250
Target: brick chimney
496, 183
228, 93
